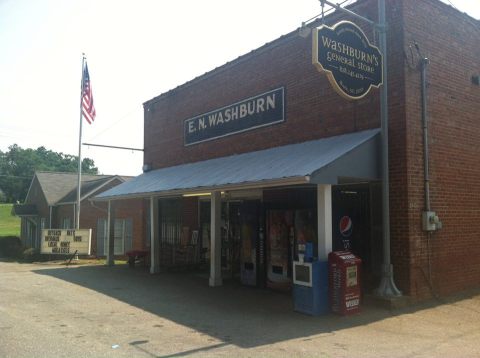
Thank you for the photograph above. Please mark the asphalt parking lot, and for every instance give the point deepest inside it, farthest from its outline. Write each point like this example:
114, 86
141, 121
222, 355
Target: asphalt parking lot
49, 310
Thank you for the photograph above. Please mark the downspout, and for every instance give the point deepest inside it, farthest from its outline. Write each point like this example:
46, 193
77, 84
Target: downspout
50, 218
423, 63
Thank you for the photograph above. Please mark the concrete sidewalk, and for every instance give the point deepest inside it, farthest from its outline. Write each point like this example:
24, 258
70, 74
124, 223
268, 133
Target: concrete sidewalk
115, 311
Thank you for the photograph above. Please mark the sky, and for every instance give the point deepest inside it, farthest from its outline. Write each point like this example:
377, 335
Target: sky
135, 51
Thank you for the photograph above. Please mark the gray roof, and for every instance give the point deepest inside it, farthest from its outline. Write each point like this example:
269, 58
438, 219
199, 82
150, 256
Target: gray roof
324, 160
55, 186
87, 188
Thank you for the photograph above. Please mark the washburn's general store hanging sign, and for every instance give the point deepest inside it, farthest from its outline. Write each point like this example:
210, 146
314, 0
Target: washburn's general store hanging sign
262, 110
352, 64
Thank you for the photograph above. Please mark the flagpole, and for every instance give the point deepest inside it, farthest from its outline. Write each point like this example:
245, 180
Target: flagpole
79, 179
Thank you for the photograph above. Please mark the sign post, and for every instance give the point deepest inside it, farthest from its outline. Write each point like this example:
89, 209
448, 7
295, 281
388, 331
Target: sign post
387, 287
337, 51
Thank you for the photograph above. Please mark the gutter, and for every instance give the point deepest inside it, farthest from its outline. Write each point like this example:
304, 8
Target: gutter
179, 192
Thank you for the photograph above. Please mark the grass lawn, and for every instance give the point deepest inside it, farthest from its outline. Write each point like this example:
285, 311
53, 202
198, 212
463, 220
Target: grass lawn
9, 225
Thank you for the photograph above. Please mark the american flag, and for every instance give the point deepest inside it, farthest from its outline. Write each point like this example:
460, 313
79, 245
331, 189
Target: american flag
88, 109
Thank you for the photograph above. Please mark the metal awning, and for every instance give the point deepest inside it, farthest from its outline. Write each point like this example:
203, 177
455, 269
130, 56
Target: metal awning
322, 161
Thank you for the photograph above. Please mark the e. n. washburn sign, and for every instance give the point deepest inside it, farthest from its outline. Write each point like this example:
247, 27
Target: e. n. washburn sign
262, 110
353, 65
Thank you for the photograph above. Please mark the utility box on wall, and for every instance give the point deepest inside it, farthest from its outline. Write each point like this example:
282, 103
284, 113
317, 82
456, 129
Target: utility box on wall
430, 221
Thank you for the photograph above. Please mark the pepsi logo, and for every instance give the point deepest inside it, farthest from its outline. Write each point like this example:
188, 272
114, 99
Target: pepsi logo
346, 226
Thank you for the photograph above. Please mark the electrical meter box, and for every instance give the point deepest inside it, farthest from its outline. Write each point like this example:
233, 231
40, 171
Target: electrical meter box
344, 282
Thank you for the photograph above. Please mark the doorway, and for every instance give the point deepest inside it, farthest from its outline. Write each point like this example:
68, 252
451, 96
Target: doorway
242, 246
356, 227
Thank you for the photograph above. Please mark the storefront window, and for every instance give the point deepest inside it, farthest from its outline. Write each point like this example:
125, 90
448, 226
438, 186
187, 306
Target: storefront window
122, 236
66, 223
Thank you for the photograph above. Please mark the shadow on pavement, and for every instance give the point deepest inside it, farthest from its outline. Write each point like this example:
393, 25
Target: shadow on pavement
234, 314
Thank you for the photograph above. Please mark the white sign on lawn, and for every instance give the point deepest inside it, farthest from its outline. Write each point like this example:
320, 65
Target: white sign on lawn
55, 241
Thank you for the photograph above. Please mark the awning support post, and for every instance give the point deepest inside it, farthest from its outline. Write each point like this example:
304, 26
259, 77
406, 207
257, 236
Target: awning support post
324, 212
154, 242
215, 239
110, 235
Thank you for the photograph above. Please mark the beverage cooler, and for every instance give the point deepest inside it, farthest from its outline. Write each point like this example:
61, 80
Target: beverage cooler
285, 230
280, 226
249, 251
248, 259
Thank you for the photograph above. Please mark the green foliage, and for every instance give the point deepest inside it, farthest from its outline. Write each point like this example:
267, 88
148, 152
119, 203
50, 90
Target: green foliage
17, 166
32, 255
9, 224
10, 246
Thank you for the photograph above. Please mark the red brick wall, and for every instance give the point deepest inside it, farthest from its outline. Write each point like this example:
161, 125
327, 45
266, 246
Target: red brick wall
59, 213
91, 212
89, 215
88, 218
451, 41
313, 109
135, 209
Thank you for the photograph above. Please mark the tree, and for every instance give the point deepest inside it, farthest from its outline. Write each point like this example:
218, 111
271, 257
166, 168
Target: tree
18, 165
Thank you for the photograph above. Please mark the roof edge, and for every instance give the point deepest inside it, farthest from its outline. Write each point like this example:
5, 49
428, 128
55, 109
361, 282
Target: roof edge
240, 186
30, 187
91, 192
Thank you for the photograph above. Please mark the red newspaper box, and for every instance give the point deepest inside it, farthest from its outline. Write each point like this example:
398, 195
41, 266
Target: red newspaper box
344, 282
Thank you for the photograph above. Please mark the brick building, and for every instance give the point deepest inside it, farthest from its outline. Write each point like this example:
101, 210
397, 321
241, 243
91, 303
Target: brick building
51, 201
241, 197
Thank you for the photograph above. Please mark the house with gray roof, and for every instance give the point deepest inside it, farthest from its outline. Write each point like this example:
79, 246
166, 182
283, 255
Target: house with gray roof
51, 203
